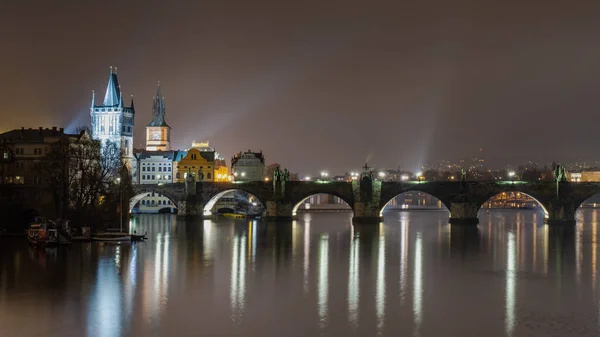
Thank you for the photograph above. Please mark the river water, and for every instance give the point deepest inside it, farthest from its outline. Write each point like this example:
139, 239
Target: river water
413, 275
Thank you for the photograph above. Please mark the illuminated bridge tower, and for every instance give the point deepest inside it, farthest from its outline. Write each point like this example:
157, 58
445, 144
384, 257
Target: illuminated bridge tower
113, 122
158, 133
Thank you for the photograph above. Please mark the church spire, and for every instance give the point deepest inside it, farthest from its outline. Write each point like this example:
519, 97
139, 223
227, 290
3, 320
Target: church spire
132, 108
93, 99
113, 91
158, 109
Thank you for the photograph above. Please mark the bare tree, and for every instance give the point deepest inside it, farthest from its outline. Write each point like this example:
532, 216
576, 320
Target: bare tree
81, 173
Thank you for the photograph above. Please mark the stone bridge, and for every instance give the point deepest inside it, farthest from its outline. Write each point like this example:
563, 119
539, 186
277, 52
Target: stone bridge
368, 198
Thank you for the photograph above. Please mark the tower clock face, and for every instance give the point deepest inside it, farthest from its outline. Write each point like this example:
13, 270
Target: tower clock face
156, 135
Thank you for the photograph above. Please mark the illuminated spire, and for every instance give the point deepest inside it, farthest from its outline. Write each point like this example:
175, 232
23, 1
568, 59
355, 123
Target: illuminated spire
158, 109
132, 108
93, 98
113, 91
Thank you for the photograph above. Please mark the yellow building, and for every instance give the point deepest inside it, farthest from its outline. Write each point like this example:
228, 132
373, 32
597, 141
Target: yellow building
221, 170
200, 163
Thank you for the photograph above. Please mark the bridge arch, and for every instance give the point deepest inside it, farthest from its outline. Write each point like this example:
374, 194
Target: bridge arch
141, 194
514, 199
391, 200
298, 202
215, 198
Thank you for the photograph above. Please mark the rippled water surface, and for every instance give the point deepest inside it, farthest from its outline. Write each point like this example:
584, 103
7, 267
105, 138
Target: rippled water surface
413, 275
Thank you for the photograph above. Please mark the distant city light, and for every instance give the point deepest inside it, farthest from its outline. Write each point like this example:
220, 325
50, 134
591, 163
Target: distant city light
266, 178
404, 177
381, 174
324, 174
235, 174
511, 173
419, 174
243, 174
307, 178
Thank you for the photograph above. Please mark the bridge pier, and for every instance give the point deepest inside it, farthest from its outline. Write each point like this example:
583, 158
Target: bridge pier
463, 211
278, 210
367, 201
561, 213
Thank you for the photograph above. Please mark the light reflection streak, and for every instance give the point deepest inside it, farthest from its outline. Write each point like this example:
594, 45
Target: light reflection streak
511, 281
207, 242
418, 284
354, 281
546, 250
534, 245
237, 293
403, 260
380, 285
306, 253
578, 253
104, 313
323, 285
594, 252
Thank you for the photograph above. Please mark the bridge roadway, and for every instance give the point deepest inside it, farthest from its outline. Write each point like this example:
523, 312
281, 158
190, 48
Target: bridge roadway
368, 198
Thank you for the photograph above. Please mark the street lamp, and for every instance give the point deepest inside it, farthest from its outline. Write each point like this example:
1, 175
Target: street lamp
511, 174
307, 178
404, 177
324, 175
381, 174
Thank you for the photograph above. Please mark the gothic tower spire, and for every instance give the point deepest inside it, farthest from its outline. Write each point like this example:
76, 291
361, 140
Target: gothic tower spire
113, 91
158, 109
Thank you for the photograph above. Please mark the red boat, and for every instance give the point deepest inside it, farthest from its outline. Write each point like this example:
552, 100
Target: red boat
42, 233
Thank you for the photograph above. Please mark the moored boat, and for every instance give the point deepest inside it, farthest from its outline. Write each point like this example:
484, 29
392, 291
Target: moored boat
42, 233
135, 237
111, 236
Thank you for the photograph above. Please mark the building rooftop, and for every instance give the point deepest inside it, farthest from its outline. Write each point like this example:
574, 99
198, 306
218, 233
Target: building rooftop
38, 135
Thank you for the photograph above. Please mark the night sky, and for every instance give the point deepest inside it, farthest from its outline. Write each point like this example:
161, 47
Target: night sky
320, 85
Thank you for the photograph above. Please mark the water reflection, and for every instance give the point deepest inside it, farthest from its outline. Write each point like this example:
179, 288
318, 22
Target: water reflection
237, 293
380, 283
512, 276
354, 281
511, 282
418, 283
323, 283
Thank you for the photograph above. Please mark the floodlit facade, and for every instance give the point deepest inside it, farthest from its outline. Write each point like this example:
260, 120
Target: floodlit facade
248, 166
112, 121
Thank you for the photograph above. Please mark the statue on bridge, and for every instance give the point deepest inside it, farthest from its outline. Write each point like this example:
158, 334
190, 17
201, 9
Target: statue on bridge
190, 176
280, 178
200, 175
463, 175
560, 174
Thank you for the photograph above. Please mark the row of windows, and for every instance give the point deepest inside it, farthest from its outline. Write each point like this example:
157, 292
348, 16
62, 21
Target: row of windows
155, 164
154, 177
195, 167
160, 169
160, 202
22, 165
19, 180
178, 175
